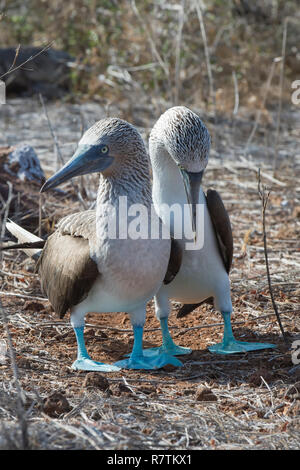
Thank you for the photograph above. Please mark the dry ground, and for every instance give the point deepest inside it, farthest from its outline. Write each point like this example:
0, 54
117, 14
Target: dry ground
248, 401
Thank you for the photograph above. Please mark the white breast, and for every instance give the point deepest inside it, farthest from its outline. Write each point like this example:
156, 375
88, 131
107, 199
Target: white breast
202, 273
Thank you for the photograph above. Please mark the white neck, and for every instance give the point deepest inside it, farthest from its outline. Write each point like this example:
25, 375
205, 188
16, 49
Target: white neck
168, 187
116, 195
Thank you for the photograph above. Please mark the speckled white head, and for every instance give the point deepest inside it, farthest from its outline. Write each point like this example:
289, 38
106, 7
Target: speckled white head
179, 138
120, 136
184, 136
112, 147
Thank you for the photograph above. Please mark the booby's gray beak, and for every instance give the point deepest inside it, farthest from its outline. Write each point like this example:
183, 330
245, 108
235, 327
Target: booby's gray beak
87, 159
192, 182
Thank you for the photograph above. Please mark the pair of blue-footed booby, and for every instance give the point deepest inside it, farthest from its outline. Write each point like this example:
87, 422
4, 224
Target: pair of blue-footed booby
85, 270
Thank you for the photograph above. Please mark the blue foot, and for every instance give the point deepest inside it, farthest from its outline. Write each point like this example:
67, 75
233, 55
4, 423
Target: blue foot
148, 362
83, 361
168, 346
233, 346
230, 345
89, 364
172, 350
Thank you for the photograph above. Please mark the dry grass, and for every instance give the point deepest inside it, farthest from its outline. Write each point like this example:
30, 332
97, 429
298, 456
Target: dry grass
240, 402
157, 52
253, 399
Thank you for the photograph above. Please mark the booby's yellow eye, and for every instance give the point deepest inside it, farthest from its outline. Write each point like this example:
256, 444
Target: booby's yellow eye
104, 149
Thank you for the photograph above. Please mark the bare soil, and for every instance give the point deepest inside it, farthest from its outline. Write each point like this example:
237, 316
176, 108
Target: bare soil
247, 401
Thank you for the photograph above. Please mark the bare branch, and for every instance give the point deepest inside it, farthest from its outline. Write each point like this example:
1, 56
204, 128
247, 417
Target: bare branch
264, 200
32, 57
178, 50
58, 151
20, 402
207, 55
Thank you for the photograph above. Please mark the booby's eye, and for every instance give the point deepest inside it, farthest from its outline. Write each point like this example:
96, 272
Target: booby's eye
104, 149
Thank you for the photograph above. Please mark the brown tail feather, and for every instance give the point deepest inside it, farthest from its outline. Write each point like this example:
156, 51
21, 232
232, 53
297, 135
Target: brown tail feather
27, 245
188, 308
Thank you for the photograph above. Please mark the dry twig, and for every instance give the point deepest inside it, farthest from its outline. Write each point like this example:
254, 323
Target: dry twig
20, 401
264, 200
13, 69
58, 151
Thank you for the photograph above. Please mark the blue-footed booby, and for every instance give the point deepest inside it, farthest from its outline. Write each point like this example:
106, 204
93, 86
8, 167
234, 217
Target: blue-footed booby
86, 268
179, 150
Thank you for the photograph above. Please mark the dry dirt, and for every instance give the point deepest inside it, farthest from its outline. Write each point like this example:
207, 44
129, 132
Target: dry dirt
248, 401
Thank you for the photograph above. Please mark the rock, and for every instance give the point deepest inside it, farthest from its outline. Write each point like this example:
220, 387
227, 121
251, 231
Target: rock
255, 378
24, 162
96, 380
120, 388
169, 368
205, 394
56, 404
48, 73
147, 389
258, 11
33, 306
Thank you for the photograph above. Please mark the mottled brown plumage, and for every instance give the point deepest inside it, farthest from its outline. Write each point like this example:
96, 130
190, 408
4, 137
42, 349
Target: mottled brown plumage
65, 267
66, 271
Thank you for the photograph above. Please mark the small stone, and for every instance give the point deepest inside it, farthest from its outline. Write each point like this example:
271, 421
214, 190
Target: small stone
95, 416
119, 389
255, 378
188, 391
147, 389
34, 306
56, 404
205, 394
169, 368
96, 380
24, 162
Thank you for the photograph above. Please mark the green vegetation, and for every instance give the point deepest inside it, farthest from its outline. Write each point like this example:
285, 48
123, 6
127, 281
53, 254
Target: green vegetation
112, 39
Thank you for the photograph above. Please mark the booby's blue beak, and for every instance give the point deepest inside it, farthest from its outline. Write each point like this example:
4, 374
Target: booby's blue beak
192, 182
87, 159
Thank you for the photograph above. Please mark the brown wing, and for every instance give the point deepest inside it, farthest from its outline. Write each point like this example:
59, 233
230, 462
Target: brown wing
66, 270
81, 224
27, 245
222, 226
174, 261
185, 309
221, 222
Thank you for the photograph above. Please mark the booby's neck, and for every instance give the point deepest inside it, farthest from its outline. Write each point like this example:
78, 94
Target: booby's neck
128, 184
130, 180
168, 190
167, 185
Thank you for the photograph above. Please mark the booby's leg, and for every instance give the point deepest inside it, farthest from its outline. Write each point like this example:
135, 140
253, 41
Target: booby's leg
230, 345
137, 358
162, 311
83, 361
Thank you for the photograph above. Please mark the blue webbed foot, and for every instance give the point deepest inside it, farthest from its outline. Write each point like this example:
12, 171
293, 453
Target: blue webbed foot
168, 346
83, 361
234, 346
137, 359
148, 362
171, 349
230, 345
89, 364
